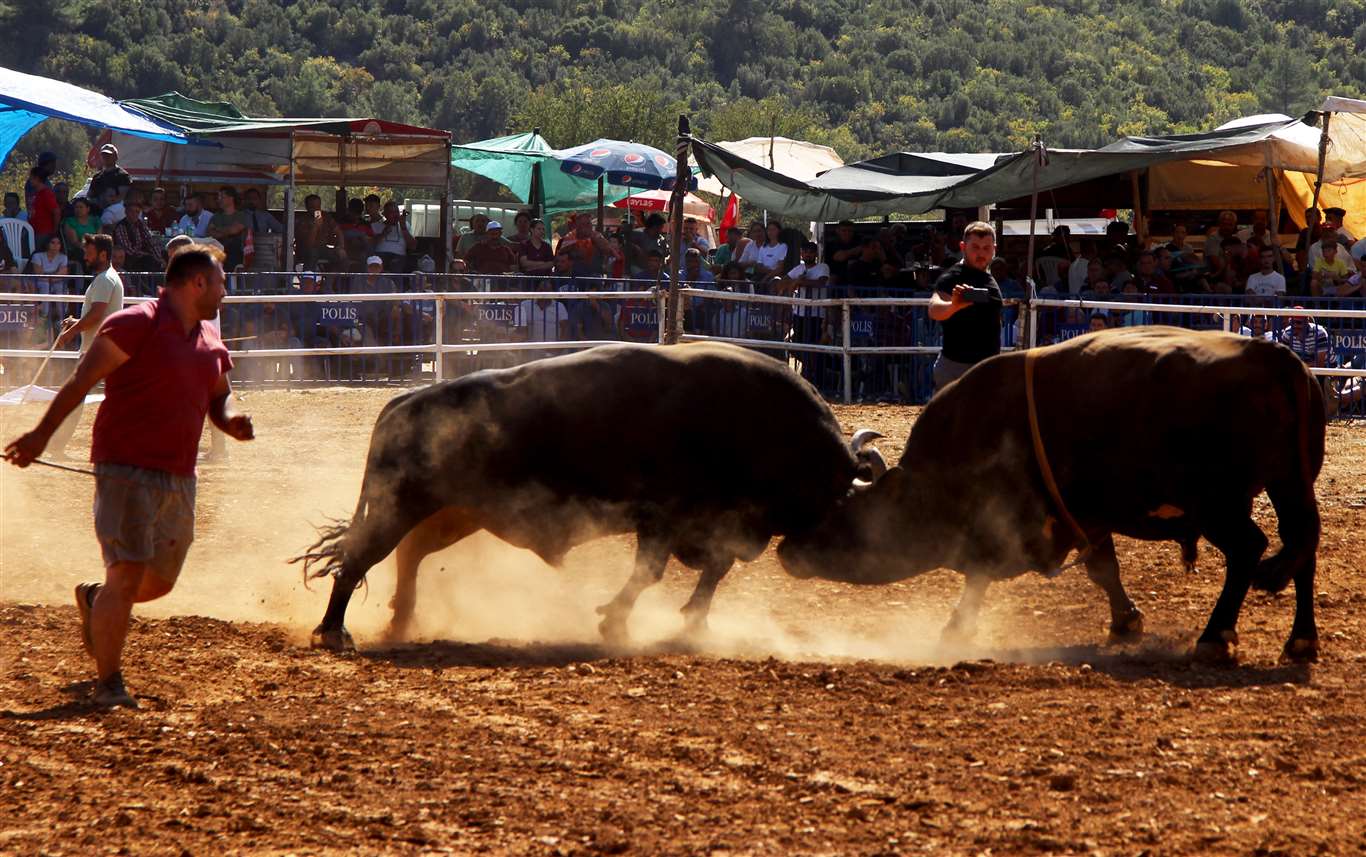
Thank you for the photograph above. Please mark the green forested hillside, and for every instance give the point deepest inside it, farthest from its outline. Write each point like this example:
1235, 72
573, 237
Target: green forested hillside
866, 76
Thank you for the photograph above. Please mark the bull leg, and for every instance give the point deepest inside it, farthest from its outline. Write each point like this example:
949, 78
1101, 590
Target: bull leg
363, 544
1190, 553
1102, 566
695, 611
1242, 544
962, 626
651, 557
438, 532
1297, 518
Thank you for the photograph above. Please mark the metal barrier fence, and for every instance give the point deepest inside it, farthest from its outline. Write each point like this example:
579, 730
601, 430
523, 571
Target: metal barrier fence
857, 345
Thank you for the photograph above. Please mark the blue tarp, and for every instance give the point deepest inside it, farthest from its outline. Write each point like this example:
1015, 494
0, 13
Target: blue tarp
27, 99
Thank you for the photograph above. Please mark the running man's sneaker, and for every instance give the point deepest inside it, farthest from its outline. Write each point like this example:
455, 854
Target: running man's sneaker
111, 693
85, 599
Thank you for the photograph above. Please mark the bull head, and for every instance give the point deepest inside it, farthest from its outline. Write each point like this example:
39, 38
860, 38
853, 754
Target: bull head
870, 535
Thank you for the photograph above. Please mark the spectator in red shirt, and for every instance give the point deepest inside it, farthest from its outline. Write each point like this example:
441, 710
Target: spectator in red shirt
164, 369
44, 212
159, 215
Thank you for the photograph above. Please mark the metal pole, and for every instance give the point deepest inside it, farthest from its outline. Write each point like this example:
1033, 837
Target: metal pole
289, 211
602, 224
845, 329
446, 216
1140, 228
681, 176
662, 309
1033, 325
439, 362
1033, 217
1323, 157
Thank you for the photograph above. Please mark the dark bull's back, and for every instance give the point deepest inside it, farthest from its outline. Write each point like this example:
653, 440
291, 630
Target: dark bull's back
704, 450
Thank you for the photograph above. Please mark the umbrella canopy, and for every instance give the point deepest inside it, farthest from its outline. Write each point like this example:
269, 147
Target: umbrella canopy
623, 164
513, 161
658, 200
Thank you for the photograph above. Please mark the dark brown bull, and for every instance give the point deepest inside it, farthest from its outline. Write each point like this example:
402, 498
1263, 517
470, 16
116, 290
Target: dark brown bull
1151, 432
704, 451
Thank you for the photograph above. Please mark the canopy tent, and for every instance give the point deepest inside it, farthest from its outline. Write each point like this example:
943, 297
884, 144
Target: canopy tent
515, 163
27, 99
796, 158
694, 206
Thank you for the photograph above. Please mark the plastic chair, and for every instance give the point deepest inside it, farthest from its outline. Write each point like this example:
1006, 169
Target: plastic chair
14, 230
1046, 269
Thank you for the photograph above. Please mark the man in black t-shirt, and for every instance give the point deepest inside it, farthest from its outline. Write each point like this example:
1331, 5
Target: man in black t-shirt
967, 302
841, 249
111, 176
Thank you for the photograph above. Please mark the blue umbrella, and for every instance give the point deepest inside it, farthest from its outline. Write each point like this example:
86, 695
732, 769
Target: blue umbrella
623, 164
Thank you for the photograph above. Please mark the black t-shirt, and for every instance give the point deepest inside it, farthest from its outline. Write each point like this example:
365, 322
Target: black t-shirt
973, 333
116, 177
840, 270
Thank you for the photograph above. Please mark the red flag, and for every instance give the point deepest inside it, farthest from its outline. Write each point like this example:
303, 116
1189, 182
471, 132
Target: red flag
732, 215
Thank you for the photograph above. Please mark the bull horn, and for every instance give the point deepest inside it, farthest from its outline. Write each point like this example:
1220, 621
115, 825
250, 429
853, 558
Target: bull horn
870, 455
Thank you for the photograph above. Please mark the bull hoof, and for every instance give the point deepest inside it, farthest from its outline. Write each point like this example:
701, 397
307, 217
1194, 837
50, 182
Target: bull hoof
613, 627
1128, 629
1221, 652
1301, 651
1191, 568
333, 640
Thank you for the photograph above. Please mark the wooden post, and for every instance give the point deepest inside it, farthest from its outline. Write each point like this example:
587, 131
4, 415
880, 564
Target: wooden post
602, 224
1323, 157
1273, 213
446, 218
1140, 228
289, 212
1033, 218
675, 308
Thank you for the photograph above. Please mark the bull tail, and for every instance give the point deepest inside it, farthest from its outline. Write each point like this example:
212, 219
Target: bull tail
325, 557
1293, 494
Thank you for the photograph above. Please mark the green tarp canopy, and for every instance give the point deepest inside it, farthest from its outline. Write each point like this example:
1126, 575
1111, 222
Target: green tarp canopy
514, 162
208, 118
916, 184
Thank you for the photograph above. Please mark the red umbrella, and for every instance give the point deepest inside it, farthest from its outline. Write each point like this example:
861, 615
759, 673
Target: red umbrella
658, 200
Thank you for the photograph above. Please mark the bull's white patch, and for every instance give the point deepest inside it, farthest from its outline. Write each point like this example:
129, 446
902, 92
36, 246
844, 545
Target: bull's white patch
1166, 511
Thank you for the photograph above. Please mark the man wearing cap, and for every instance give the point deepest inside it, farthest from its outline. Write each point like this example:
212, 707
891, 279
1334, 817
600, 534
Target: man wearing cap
491, 254
112, 176
1308, 340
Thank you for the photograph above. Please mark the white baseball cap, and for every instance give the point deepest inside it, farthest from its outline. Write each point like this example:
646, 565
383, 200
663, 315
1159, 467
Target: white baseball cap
374, 260
492, 225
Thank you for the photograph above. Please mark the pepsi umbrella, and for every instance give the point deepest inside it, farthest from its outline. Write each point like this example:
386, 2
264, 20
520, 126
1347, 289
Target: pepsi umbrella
623, 164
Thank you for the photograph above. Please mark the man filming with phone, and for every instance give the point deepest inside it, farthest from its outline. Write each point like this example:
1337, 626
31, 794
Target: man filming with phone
967, 302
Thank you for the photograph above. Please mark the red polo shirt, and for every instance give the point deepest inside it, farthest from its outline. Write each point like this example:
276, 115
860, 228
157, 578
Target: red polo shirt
154, 404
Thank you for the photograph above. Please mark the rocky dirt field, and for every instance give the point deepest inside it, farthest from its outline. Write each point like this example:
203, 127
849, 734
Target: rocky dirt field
818, 719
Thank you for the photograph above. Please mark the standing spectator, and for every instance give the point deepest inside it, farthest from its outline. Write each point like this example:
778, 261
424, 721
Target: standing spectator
111, 176
643, 243
492, 255
1267, 282
809, 281
80, 224
111, 209
1308, 340
588, 251
166, 369
1060, 246
521, 229
161, 215
731, 251
772, 254
1310, 235
1332, 228
842, 249
316, 235
749, 256
967, 302
474, 235
1227, 228
692, 237
44, 212
534, 255
63, 192
195, 221
1098, 321
1079, 272
374, 212
229, 227
103, 297
393, 241
356, 235
543, 320
261, 222
141, 251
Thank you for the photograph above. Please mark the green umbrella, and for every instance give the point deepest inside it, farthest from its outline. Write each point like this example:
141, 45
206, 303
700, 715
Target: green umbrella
515, 162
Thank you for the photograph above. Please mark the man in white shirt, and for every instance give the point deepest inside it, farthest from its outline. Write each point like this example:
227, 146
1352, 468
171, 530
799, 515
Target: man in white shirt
195, 221
1078, 272
113, 211
809, 281
1268, 282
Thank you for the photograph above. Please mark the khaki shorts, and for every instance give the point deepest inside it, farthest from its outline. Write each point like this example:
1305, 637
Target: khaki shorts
144, 516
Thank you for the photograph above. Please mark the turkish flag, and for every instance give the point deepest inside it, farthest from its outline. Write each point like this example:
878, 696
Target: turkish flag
732, 215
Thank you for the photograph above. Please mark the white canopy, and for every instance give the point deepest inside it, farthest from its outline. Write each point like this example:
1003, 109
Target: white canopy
796, 158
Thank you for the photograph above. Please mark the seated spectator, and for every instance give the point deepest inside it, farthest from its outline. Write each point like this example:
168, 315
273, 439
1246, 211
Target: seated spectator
382, 320
112, 209
260, 221
1180, 244
315, 233
1267, 282
892, 282
1332, 229
749, 257
195, 221
694, 274
770, 257
521, 229
534, 255
1117, 270
1356, 282
590, 254
863, 269
229, 228
1308, 340
160, 216
1126, 317
52, 261
731, 251
1308, 237
12, 210
1098, 321
355, 233
1236, 257
1227, 227
1330, 272
1079, 275
141, 251
472, 236
693, 237
1218, 277
393, 240
491, 255
841, 249
1150, 280
643, 242
1010, 287
1095, 278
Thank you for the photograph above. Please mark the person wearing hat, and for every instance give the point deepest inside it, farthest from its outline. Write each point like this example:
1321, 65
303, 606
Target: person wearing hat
1308, 340
111, 176
491, 254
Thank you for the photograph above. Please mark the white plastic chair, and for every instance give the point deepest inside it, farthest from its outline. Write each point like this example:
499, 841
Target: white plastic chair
1046, 269
14, 230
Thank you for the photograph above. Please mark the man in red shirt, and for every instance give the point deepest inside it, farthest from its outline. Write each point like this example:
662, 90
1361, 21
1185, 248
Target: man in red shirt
164, 369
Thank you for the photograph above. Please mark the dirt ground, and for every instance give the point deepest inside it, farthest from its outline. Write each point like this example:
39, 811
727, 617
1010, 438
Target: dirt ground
818, 719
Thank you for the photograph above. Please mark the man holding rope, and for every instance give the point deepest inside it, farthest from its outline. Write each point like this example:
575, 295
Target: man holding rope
165, 369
